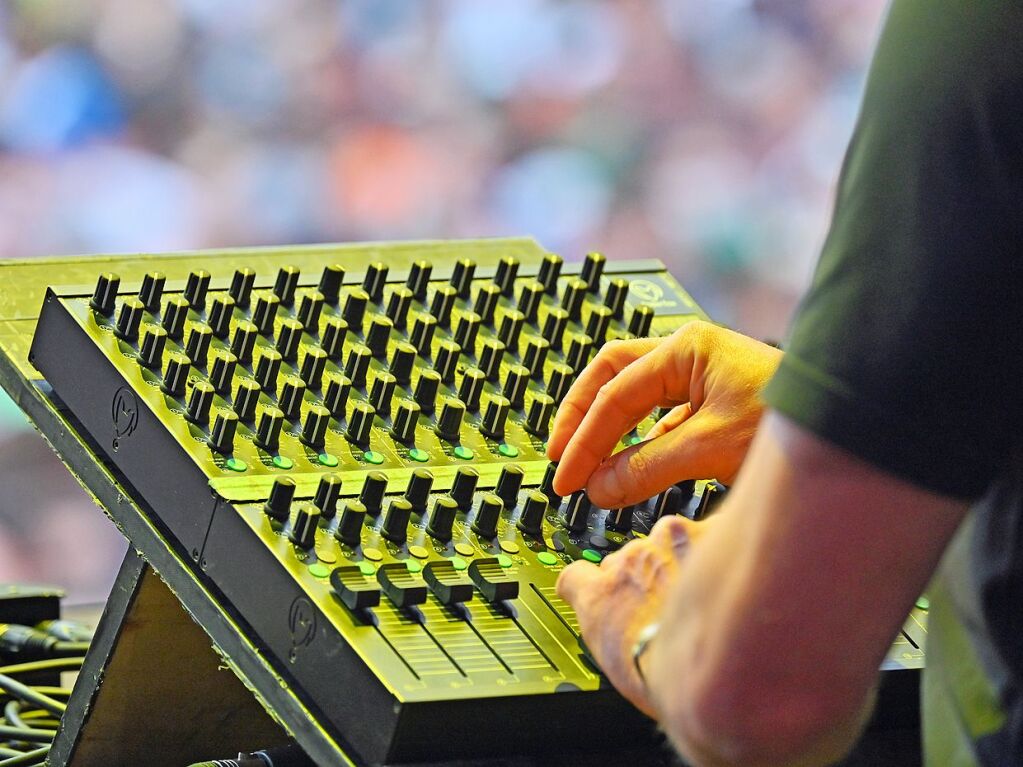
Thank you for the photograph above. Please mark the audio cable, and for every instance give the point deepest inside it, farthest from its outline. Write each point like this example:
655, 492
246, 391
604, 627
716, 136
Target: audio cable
282, 756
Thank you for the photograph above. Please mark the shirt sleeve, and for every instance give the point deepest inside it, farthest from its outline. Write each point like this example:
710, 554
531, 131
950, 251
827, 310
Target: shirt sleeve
907, 349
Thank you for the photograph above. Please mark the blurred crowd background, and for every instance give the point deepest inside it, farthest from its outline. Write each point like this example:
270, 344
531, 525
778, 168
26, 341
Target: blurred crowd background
706, 134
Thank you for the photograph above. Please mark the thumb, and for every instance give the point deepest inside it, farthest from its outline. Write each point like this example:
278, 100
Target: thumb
689, 451
575, 580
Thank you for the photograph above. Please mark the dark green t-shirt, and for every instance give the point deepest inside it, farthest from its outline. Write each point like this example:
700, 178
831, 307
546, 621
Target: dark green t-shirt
908, 348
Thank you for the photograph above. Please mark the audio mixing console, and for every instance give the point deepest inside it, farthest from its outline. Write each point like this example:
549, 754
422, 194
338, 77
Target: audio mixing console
352, 456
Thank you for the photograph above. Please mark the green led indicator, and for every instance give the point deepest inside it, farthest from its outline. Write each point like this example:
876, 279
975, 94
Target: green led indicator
591, 555
458, 563
327, 459
319, 570
236, 464
464, 453
635, 440
283, 462
417, 454
546, 558
367, 569
413, 566
508, 451
371, 456
504, 560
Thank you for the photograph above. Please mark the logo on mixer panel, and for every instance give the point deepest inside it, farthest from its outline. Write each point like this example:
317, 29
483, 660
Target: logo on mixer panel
658, 295
124, 411
302, 622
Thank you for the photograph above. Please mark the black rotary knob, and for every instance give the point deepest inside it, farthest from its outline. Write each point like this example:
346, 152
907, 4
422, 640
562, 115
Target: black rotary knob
471, 388
314, 362
291, 397
331, 278
335, 395
464, 485
597, 324
530, 298
417, 492
547, 484
669, 502
219, 316
246, 397
398, 305
579, 349
538, 417
303, 531
278, 503
487, 297
535, 355
378, 334
449, 424
620, 520
154, 341
461, 276
440, 305
515, 384
268, 367
509, 481
442, 518
175, 375
199, 402
422, 333
244, 341
268, 430
129, 318
505, 274
288, 338
152, 290
572, 298
285, 284
175, 312
349, 529
396, 519
372, 494
241, 286
577, 513
105, 295
197, 345
314, 429
196, 286
225, 424
355, 309
426, 390
593, 267
222, 372
466, 331
491, 355
381, 393
327, 493
357, 364
265, 312
614, 298
559, 382
310, 306
641, 320
360, 424
406, 418
487, 516
335, 330
374, 281
447, 360
419, 278
531, 521
511, 327
403, 358
554, 327
494, 417
550, 270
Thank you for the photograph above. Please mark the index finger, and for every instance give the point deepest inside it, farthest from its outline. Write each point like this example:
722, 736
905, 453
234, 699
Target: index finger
614, 357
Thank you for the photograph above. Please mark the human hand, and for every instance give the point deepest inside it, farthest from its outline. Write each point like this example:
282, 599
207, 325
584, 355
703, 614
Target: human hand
617, 599
711, 377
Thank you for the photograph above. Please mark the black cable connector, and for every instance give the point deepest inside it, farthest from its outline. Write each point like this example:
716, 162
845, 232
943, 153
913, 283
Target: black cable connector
24, 643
